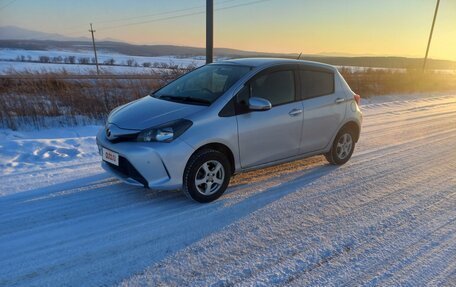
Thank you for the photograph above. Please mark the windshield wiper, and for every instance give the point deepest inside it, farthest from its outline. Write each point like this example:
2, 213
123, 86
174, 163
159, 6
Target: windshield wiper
184, 99
197, 100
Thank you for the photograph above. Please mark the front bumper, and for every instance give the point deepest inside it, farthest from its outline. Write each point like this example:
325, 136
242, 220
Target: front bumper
153, 165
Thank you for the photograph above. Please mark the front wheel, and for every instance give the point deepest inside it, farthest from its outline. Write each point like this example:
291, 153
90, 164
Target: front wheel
206, 176
342, 148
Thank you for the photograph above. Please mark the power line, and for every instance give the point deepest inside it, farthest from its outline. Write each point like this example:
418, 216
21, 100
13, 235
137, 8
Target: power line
182, 15
158, 14
154, 20
148, 15
138, 17
76, 32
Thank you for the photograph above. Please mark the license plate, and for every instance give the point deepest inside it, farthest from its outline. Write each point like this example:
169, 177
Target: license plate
111, 157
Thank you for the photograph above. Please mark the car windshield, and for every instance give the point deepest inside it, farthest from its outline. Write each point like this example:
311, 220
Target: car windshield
202, 86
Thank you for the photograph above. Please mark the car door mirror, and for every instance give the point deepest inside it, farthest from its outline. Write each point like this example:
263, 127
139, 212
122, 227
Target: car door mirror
259, 104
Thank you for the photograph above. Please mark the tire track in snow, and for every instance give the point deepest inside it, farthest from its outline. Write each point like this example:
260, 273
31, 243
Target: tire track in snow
360, 158
446, 276
130, 189
431, 250
338, 216
95, 231
355, 181
387, 233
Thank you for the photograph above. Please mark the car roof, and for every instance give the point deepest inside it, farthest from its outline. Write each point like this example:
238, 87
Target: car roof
259, 62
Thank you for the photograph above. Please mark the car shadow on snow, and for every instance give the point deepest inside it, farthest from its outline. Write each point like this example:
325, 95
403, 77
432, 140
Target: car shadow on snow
120, 230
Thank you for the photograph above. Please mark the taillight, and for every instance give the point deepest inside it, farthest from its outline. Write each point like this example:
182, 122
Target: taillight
357, 99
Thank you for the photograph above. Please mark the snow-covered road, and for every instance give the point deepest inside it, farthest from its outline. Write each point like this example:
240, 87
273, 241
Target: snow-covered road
387, 217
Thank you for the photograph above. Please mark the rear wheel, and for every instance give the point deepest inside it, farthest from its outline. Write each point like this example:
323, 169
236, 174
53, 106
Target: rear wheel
342, 148
206, 176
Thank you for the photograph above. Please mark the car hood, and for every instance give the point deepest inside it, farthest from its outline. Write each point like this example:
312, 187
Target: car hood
148, 112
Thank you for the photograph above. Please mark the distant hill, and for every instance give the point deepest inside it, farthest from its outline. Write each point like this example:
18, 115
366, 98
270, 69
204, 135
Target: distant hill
130, 49
385, 62
17, 33
19, 38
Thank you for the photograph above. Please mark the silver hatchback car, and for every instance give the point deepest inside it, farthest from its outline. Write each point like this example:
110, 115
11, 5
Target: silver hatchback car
228, 117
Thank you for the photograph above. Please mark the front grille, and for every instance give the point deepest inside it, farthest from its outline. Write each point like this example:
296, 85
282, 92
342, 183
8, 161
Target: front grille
124, 138
126, 168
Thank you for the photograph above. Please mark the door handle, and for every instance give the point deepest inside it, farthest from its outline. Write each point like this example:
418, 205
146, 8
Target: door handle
340, 100
295, 112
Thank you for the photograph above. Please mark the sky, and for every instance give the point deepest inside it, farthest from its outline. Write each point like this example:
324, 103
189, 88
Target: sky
345, 27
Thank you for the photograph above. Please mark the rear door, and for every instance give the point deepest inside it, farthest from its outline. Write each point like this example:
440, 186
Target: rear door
267, 136
324, 107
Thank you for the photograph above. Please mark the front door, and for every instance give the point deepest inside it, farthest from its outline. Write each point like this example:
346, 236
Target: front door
275, 134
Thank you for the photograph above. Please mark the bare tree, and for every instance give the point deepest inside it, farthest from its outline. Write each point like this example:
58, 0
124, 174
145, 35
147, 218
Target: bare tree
44, 59
72, 59
57, 59
131, 62
83, 60
110, 62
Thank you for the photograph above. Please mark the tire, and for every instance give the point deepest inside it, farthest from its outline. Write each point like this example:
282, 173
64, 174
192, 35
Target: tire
342, 147
206, 175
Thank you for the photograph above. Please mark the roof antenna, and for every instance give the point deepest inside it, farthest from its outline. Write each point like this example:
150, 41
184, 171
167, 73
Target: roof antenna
299, 56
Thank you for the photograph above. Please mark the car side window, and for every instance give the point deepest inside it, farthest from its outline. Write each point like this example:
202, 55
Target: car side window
277, 87
316, 83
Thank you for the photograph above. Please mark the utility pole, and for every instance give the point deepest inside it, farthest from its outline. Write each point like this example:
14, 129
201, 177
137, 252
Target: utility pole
94, 48
209, 31
430, 35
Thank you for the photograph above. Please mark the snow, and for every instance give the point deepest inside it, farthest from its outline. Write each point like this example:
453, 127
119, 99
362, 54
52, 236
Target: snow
8, 62
385, 218
21, 67
11, 54
22, 151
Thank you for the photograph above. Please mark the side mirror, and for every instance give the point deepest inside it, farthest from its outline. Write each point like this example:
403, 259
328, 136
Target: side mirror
259, 104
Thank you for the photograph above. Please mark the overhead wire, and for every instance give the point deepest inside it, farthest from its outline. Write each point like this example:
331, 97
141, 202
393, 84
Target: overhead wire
182, 15
103, 28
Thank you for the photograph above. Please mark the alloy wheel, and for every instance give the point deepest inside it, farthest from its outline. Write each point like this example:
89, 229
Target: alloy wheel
209, 177
344, 146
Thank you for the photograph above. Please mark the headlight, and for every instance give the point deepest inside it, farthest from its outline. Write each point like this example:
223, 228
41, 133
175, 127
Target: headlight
164, 133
